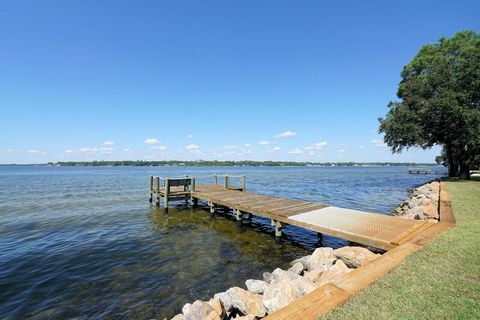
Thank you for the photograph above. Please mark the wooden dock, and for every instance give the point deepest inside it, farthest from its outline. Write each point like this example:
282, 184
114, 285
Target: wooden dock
372, 229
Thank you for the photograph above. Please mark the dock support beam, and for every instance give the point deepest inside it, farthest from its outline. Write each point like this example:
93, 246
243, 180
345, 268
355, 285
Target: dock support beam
238, 214
166, 191
225, 182
157, 190
278, 228
212, 207
244, 183
150, 190
215, 178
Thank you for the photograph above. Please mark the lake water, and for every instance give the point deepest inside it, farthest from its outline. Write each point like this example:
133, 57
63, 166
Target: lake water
84, 243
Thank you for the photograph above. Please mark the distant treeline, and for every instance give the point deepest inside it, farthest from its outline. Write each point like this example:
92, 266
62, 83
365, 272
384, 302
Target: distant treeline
245, 163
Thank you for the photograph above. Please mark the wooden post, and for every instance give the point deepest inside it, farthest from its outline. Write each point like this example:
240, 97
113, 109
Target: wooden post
244, 183
225, 182
212, 207
192, 187
278, 228
215, 178
157, 188
166, 191
238, 214
150, 190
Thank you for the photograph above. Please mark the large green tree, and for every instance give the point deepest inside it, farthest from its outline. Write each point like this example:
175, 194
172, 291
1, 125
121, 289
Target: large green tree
439, 103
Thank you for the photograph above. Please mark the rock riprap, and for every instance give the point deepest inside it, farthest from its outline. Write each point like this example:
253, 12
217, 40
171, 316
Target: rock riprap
422, 203
280, 287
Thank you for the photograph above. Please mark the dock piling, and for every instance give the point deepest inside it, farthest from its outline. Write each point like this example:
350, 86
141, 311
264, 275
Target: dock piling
238, 214
167, 191
225, 182
157, 194
244, 183
150, 190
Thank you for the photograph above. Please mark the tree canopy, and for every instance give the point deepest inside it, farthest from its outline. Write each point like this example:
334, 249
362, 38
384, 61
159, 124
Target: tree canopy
440, 103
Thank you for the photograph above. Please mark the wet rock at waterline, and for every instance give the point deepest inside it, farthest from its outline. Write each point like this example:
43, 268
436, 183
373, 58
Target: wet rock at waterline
246, 301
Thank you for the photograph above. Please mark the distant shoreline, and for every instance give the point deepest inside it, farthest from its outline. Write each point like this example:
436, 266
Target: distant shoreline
206, 163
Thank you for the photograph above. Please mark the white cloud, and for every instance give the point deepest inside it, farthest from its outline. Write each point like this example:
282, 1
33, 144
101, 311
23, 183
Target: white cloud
378, 143
342, 150
317, 146
190, 136
108, 143
69, 151
106, 150
286, 134
264, 143
296, 151
88, 150
158, 147
362, 147
311, 153
8, 150
192, 147
35, 151
275, 148
247, 145
127, 150
230, 147
152, 141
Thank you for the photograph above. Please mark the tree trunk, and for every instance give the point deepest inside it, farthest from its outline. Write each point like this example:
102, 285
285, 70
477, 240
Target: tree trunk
464, 171
452, 163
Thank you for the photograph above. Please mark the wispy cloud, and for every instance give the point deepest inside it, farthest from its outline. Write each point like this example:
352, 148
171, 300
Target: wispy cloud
264, 143
317, 146
152, 141
127, 150
247, 145
35, 151
158, 147
275, 148
342, 150
378, 143
190, 136
88, 150
106, 150
286, 134
69, 151
362, 147
296, 151
192, 147
108, 143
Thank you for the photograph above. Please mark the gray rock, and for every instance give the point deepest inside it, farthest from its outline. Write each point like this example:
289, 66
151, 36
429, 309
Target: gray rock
321, 258
286, 291
197, 311
178, 317
267, 276
279, 274
297, 268
224, 299
247, 302
354, 257
256, 286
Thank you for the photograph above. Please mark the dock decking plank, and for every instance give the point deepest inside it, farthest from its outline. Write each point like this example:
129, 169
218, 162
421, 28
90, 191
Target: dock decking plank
372, 229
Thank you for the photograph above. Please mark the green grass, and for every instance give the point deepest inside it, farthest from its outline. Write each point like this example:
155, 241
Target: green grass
442, 281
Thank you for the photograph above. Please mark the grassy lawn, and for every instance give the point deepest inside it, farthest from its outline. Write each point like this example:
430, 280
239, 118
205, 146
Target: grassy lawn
442, 281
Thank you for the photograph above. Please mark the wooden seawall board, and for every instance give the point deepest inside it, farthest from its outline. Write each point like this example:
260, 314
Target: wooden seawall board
377, 230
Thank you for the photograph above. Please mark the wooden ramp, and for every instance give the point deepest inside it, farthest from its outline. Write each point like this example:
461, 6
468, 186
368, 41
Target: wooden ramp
377, 230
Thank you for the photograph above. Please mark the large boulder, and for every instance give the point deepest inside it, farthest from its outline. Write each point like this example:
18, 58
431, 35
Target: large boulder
217, 306
321, 258
178, 317
246, 301
431, 211
297, 268
199, 310
224, 298
354, 257
303, 260
335, 272
279, 275
285, 291
256, 286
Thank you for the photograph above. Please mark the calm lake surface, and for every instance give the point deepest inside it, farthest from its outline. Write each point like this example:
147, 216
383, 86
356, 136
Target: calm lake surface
84, 243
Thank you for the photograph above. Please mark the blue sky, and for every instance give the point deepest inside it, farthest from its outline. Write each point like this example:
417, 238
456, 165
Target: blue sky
261, 80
